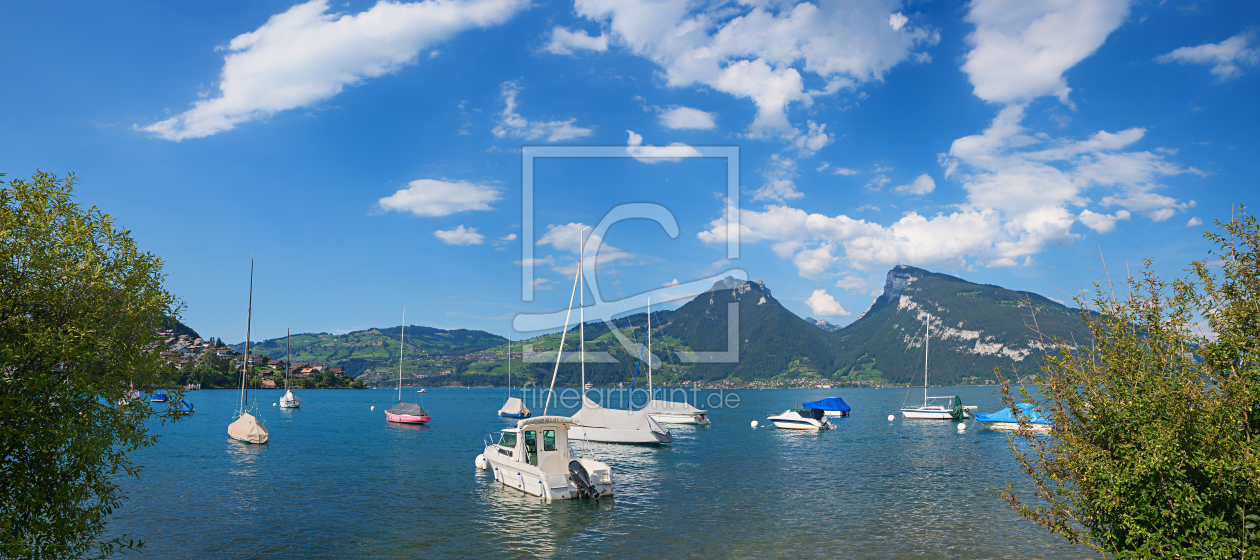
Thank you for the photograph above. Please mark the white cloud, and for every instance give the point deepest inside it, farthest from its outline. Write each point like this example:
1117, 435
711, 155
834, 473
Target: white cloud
460, 236
513, 124
816, 138
823, 305
843, 171
508, 237
1226, 57
681, 118
657, 154
564, 41
673, 282
1102, 223
430, 197
812, 263
566, 238
306, 55
1021, 48
921, 185
755, 53
897, 21
852, 283
779, 185
1194, 221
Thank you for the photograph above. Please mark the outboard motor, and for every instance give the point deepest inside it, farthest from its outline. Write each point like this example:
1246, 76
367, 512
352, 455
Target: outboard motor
582, 480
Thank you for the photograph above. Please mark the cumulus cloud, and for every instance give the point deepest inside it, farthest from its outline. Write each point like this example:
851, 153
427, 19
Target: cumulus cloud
1102, 223
566, 237
564, 41
843, 171
657, 154
823, 305
921, 185
1021, 48
1195, 221
513, 124
1226, 57
433, 198
681, 118
852, 283
460, 236
779, 184
306, 55
755, 54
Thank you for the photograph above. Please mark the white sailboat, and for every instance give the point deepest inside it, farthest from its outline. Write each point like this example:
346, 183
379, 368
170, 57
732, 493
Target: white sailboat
953, 410
289, 400
594, 422
246, 427
668, 412
514, 407
404, 412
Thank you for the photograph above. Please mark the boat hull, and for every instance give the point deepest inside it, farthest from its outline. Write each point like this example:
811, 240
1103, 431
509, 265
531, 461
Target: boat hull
800, 424
1014, 426
532, 480
406, 418
932, 414
514, 415
694, 419
613, 435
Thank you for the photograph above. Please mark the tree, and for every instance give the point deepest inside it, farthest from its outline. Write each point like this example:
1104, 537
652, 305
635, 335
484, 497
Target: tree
79, 305
1155, 449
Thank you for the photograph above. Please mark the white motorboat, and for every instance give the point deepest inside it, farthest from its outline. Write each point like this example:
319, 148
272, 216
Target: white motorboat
246, 427
534, 458
594, 422
668, 412
289, 400
802, 419
953, 411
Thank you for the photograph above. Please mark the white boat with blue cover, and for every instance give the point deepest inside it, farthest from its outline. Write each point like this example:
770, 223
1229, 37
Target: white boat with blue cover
1006, 420
831, 406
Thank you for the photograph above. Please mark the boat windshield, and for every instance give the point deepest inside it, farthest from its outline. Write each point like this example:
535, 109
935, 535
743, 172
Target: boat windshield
549, 440
531, 447
508, 439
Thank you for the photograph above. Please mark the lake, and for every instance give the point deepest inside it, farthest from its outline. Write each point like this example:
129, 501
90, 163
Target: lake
338, 481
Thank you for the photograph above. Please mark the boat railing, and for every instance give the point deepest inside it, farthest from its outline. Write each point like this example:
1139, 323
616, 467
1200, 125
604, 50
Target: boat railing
488, 439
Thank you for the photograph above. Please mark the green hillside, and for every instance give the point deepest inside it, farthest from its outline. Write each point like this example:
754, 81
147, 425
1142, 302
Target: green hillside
429, 349
974, 329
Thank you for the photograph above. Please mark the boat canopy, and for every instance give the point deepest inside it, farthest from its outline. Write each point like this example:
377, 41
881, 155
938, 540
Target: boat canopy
815, 413
670, 407
546, 420
592, 415
514, 406
184, 407
829, 403
408, 409
1034, 415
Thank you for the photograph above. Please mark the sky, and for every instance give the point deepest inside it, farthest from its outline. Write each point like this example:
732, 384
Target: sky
373, 156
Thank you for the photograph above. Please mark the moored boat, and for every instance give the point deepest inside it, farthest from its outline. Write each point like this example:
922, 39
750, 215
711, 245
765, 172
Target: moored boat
246, 427
289, 400
514, 407
800, 418
954, 411
831, 406
404, 412
1006, 420
534, 457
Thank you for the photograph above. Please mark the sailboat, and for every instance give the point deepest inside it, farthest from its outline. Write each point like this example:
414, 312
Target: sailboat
289, 400
514, 407
594, 422
246, 427
668, 412
405, 412
954, 410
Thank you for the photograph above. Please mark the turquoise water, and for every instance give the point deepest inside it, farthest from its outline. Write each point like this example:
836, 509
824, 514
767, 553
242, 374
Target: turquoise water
338, 481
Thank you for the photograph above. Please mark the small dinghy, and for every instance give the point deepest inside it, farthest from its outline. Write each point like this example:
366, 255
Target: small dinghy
803, 419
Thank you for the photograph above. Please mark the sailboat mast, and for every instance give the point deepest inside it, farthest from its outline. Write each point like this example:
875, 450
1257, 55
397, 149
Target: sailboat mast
249, 316
509, 364
927, 343
582, 313
402, 346
288, 359
649, 350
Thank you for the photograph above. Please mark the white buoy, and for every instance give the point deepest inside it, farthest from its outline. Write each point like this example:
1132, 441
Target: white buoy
373, 407
273, 404
891, 418
754, 423
962, 426
481, 462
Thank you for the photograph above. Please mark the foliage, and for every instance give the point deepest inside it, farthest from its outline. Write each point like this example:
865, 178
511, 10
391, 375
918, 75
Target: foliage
79, 303
1156, 445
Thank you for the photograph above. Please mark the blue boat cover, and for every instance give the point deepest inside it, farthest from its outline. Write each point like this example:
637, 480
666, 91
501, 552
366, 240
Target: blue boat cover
829, 403
1034, 415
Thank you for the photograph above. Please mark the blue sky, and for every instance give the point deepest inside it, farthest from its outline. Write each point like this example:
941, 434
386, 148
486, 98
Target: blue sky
369, 155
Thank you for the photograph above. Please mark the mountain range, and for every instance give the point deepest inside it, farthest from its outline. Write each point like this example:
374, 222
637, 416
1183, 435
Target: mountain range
975, 328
